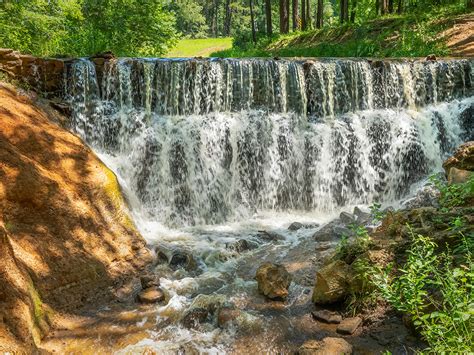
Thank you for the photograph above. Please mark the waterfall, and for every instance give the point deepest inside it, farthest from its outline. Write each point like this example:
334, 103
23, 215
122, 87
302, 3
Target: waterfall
207, 141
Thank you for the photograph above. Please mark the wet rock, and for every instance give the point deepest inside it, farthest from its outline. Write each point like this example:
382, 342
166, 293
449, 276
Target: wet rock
327, 316
194, 317
226, 316
347, 218
327, 346
148, 281
295, 226
462, 159
183, 259
273, 281
151, 295
332, 283
426, 197
431, 58
340, 232
241, 246
349, 325
362, 217
270, 236
458, 176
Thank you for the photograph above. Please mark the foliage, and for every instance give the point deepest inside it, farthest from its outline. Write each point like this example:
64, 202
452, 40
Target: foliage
190, 19
455, 194
414, 34
85, 27
435, 292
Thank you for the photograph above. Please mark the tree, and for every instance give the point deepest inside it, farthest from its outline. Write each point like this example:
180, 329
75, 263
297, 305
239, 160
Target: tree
190, 20
319, 14
252, 20
268, 17
284, 16
295, 17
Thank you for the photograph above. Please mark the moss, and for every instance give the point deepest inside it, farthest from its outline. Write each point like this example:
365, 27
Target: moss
114, 193
42, 314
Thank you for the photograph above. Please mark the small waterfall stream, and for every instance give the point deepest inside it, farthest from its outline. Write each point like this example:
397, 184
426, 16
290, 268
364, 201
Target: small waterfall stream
212, 151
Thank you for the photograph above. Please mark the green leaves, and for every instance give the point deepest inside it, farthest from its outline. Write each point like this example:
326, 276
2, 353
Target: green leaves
85, 27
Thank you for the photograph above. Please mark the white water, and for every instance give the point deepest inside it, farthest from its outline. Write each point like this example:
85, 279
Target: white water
211, 152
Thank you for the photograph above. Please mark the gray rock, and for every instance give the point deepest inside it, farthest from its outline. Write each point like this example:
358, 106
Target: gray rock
349, 325
295, 226
183, 259
347, 218
241, 246
362, 217
342, 232
327, 316
270, 236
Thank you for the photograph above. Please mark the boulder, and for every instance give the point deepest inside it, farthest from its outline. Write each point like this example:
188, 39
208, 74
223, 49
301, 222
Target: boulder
295, 226
183, 259
241, 246
327, 346
347, 218
273, 281
333, 283
327, 316
270, 236
349, 325
227, 315
151, 295
194, 317
148, 281
463, 158
362, 217
458, 176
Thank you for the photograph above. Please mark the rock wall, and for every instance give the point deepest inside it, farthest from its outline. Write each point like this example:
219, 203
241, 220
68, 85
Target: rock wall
66, 238
45, 75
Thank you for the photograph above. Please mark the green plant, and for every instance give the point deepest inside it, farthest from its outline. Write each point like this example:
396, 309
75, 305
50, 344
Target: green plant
377, 213
453, 195
438, 295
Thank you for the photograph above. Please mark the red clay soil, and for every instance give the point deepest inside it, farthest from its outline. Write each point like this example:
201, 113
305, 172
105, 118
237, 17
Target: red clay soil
66, 239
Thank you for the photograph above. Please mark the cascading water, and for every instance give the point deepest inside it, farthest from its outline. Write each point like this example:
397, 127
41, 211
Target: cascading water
214, 140
218, 149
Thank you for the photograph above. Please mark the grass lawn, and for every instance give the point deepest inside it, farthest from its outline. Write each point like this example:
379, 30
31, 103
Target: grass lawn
199, 47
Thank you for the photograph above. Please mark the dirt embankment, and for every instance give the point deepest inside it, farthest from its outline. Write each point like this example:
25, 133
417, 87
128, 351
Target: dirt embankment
66, 239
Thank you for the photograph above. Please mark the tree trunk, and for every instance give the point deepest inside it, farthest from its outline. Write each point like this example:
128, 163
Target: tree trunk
295, 15
252, 19
308, 15
384, 8
353, 10
390, 6
228, 17
268, 16
377, 7
319, 14
341, 12
470, 4
284, 16
304, 25
400, 7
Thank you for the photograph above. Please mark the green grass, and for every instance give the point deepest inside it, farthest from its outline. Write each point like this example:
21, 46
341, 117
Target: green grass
199, 47
408, 35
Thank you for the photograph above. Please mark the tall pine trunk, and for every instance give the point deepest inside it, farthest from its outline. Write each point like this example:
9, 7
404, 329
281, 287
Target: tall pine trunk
319, 14
284, 16
228, 17
308, 14
295, 15
268, 16
252, 19
304, 25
